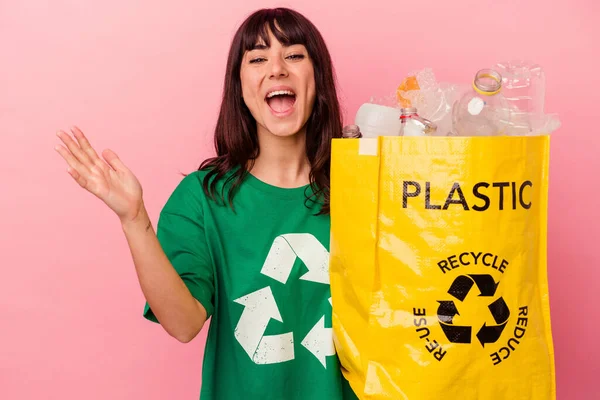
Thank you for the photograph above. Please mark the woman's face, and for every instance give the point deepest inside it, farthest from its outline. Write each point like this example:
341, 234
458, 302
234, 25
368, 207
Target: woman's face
278, 86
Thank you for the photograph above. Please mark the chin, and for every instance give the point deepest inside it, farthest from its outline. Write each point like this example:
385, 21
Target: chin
283, 128
283, 132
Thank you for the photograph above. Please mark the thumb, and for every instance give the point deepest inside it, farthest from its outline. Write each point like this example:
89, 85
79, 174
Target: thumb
113, 160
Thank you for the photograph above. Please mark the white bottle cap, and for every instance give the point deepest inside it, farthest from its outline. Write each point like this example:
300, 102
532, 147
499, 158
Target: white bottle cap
475, 106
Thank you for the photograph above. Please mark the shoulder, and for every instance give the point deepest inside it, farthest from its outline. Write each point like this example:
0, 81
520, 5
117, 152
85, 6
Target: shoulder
188, 194
192, 181
196, 189
191, 184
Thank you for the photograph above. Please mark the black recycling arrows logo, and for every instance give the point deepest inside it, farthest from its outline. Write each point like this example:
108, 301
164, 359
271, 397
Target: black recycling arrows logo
459, 289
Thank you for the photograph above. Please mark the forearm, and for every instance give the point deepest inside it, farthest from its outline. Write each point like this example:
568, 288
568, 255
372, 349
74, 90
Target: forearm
180, 314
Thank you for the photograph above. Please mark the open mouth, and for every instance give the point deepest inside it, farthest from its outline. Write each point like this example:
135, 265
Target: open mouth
281, 101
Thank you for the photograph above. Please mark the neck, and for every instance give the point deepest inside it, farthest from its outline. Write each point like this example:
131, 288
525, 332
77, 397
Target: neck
282, 161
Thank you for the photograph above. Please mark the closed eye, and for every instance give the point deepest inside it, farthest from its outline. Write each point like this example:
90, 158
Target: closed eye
256, 60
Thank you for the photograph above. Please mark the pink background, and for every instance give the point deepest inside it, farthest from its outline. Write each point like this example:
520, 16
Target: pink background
144, 78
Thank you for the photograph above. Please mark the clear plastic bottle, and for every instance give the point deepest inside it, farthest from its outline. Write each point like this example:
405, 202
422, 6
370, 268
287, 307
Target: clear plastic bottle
414, 125
483, 110
524, 87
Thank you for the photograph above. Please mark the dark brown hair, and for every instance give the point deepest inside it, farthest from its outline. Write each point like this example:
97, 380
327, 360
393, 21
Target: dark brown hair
236, 141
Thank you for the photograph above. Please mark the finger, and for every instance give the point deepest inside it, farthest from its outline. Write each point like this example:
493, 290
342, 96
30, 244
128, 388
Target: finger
84, 143
113, 160
77, 177
74, 148
72, 161
87, 148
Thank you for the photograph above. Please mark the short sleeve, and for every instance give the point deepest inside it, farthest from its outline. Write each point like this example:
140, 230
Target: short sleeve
180, 232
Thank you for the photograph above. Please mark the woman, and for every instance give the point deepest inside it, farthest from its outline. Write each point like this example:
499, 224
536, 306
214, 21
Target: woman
244, 239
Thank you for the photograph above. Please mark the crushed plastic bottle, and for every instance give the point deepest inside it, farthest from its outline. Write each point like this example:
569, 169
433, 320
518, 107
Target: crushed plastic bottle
483, 110
434, 100
524, 87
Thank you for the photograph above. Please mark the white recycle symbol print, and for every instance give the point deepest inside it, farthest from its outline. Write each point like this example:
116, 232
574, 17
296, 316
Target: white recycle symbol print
260, 306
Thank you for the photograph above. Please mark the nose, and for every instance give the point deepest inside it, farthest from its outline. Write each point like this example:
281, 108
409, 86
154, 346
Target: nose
278, 68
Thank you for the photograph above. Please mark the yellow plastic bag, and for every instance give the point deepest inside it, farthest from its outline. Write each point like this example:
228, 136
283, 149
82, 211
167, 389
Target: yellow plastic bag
438, 267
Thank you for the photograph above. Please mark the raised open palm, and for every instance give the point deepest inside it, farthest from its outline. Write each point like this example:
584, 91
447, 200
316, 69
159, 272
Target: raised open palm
108, 178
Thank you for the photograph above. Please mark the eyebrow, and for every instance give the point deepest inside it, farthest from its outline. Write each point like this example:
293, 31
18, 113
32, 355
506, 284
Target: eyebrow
262, 46
259, 46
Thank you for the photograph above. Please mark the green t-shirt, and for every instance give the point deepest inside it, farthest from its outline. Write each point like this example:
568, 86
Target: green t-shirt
261, 271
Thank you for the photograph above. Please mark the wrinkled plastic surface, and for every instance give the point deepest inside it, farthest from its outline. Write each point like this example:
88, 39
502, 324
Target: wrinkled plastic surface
433, 100
424, 248
524, 87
